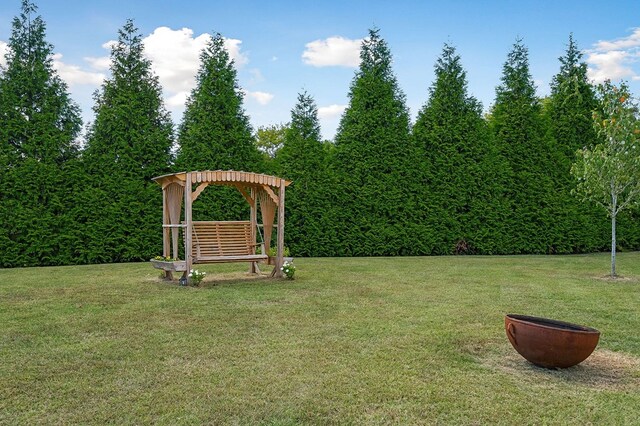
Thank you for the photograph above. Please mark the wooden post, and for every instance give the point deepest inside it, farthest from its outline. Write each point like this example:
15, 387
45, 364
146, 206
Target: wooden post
166, 246
280, 258
253, 266
189, 225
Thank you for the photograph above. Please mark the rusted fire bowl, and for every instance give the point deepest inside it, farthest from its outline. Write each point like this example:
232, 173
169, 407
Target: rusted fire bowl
550, 343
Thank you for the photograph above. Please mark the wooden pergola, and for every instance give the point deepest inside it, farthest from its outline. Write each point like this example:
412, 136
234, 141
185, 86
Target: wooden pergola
220, 241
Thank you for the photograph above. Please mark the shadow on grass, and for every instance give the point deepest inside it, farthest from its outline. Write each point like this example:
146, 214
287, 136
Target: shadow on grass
226, 278
603, 370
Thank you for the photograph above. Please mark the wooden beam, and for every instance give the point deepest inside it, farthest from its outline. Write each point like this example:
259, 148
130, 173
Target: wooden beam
250, 198
272, 194
171, 179
166, 246
198, 191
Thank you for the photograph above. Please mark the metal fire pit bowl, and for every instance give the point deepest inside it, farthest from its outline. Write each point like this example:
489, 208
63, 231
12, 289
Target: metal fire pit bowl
549, 343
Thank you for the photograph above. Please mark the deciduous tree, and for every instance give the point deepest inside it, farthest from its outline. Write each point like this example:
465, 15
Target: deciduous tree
608, 173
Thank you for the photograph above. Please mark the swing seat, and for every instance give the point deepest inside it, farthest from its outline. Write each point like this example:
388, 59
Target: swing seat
224, 241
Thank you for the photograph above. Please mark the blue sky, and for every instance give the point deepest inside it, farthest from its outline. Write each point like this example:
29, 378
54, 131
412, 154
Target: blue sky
283, 47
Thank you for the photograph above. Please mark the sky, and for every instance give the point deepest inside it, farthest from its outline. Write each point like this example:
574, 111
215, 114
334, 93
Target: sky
282, 48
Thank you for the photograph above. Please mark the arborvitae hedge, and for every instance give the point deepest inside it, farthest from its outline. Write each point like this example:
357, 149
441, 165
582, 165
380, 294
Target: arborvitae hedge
215, 134
38, 127
128, 144
460, 183
518, 127
303, 160
375, 162
461, 168
578, 226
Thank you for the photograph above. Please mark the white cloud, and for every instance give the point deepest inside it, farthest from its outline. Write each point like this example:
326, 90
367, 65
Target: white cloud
333, 51
177, 100
74, 75
175, 58
4, 49
612, 65
233, 47
615, 59
174, 55
99, 64
331, 111
620, 44
263, 98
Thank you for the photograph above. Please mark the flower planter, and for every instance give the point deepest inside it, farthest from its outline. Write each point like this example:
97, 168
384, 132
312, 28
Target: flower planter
549, 343
168, 265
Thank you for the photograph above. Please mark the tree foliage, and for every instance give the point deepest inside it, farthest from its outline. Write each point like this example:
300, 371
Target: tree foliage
270, 139
375, 161
455, 183
462, 170
519, 131
608, 173
568, 113
128, 144
39, 124
215, 133
303, 160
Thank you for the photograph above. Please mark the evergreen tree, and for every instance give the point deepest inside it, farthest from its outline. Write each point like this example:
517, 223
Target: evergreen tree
302, 159
215, 133
519, 130
569, 110
128, 144
39, 124
461, 168
375, 162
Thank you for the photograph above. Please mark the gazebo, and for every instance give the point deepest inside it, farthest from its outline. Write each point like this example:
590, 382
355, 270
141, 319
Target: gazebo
220, 241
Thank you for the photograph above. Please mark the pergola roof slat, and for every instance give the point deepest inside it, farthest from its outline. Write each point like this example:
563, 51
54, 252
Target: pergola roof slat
223, 177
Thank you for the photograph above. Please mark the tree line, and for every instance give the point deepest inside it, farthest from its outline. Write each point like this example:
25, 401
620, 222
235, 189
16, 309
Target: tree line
455, 182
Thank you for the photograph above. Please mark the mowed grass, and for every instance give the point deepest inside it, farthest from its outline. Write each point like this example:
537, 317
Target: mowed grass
350, 341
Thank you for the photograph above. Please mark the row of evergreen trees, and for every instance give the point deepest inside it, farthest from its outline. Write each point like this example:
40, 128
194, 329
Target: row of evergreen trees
455, 182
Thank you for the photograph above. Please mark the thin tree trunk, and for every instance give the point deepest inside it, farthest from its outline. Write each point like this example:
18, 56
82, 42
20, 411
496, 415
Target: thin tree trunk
613, 246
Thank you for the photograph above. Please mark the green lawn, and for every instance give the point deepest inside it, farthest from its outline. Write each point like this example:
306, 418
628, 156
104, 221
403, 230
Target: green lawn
350, 341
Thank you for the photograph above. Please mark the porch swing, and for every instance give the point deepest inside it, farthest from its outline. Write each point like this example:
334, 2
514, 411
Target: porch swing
220, 241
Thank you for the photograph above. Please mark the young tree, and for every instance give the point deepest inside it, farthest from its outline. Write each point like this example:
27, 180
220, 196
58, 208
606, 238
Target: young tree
519, 131
39, 124
128, 144
302, 160
269, 141
608, 173
461, 166
570, 127
375, 161
215, 133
